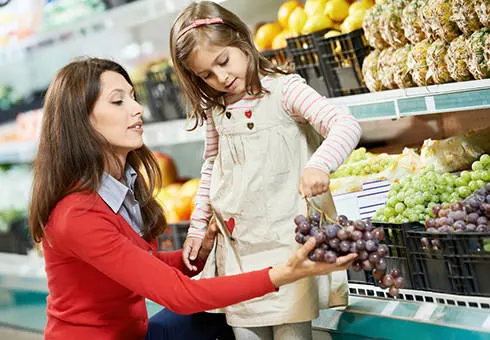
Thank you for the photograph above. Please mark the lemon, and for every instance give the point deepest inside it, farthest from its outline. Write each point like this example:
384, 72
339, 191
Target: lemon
360, 5
285, 11
352, 22
297, 20
337, 10
313, 7
317, 22
280, 40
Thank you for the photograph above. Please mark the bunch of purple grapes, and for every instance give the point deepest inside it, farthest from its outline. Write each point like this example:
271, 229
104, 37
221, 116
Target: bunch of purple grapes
470, 214
342, 237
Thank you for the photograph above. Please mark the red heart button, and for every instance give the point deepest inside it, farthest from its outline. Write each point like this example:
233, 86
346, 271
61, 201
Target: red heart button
248, 114
230, 225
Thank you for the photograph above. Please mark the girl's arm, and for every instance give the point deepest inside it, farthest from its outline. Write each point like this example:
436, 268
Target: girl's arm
202, 211
339, 128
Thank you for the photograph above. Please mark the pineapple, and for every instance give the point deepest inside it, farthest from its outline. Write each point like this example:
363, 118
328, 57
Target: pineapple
410, 21
401, 74
435, 60
370, 71
385, 68
417, 63
390, 23
456, 59
482, 9
426, 19
371, 27
465, 16
478, 63
444, 27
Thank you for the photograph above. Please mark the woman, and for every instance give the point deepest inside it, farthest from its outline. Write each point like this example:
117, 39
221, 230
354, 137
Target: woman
97, 220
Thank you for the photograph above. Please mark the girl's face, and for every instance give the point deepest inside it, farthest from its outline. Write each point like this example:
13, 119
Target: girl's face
117, 115
222, 68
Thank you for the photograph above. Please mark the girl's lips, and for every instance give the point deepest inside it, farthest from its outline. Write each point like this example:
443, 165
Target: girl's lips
231, 84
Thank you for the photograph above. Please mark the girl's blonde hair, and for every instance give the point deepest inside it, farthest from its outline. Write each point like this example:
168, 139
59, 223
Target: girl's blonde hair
232, 32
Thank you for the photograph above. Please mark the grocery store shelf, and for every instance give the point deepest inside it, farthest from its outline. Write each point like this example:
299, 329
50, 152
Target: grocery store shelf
121, 17
429, 311
17, 152
23, 272
393, 104
155, 135
170, 133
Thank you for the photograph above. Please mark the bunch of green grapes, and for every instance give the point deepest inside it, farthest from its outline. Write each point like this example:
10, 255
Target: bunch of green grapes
412, 198
358, 155
372, 165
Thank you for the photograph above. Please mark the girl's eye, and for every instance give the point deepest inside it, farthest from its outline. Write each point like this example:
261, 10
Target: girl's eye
117, 102
224, 62
206, 76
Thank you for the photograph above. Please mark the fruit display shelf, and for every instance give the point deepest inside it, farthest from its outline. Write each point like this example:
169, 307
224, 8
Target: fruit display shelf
394, 104
460, 96
371, 313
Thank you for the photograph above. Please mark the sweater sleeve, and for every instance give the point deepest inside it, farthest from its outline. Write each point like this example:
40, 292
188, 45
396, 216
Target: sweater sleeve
202, 210
174, 259
92, 237
340, 129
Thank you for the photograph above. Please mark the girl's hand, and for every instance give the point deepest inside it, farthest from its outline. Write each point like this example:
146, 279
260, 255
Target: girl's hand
299, 266
191, 250
208, 241
314, 182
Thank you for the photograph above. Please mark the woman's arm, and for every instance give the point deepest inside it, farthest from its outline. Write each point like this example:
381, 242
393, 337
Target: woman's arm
91, 236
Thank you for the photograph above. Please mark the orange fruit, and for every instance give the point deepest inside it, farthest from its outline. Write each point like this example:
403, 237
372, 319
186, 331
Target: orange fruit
285, 11
183, 208
265, 34
189, 188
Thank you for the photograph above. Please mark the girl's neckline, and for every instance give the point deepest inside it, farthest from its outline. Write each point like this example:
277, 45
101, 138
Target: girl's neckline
245, 95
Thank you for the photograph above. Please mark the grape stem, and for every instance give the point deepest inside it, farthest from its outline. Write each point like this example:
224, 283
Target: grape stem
323, 215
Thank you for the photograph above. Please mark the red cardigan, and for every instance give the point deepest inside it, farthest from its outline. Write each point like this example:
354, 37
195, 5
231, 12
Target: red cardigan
100, 270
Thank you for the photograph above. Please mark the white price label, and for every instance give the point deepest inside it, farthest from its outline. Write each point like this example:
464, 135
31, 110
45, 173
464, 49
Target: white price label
425, 311
430, 103
390, 307
486, 323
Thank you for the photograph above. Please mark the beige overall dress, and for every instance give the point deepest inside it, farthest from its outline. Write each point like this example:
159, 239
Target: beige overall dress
254, 195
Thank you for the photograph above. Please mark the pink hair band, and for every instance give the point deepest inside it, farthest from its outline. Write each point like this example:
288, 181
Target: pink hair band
201, 22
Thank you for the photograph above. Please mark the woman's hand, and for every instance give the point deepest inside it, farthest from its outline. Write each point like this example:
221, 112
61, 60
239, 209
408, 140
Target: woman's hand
299, 266
314, 182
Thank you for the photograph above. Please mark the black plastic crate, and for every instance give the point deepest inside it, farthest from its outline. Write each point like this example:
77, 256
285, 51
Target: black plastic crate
304, 55
395, 239
341, 59
174, 236
455, 263
162, 95
278, 57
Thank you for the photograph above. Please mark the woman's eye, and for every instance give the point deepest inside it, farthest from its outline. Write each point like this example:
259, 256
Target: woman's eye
206, 76
117, 102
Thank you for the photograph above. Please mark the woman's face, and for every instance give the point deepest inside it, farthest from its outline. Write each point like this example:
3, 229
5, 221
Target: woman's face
117, 115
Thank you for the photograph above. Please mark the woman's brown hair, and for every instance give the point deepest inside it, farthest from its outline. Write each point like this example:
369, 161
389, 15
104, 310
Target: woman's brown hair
72, 156
232, 32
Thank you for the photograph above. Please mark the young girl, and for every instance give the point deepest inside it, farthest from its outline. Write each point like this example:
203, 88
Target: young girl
98, 221
259, 151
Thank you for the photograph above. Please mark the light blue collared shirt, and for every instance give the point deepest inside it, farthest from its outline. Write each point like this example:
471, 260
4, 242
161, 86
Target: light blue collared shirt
120, 198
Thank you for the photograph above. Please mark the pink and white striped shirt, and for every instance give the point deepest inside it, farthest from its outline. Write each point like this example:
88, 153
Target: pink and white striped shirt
306, 106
